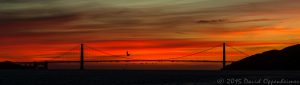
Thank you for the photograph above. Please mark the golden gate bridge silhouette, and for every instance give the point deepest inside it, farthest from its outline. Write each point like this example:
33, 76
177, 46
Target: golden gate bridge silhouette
127, 58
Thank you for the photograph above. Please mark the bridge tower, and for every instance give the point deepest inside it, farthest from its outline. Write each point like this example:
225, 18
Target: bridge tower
82, 56
224, 54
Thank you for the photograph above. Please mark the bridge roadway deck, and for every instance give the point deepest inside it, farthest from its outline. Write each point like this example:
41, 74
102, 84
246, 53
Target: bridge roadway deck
132, 61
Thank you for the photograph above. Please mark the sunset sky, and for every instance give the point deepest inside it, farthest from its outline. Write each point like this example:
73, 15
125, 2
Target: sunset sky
37, 30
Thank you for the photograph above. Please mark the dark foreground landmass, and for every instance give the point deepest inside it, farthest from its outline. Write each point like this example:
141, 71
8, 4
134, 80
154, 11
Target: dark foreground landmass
136, 77
285, 59
12, 65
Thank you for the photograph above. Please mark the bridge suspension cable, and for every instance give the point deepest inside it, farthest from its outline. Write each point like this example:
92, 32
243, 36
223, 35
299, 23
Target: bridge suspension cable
196, 52
66, 52
237, 50
111, 55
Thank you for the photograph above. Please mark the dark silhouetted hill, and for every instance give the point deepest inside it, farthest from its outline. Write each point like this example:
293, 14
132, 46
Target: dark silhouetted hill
10, 65
285, 59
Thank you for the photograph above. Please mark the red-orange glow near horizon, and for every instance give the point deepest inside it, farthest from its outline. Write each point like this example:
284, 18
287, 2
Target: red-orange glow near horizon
138, 49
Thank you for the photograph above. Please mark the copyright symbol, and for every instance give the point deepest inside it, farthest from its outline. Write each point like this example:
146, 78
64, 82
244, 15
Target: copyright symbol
220, 81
